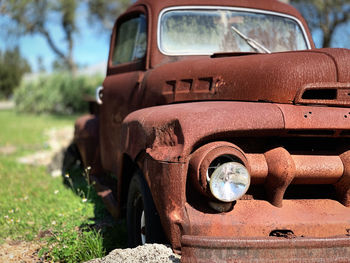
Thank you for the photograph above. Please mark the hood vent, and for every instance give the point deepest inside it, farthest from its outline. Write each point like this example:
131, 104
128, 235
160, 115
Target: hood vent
332, 94
320, 94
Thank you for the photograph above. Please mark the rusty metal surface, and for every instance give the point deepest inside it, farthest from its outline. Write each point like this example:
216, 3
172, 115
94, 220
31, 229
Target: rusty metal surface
306, 169
209, 79
343, 185
201, 159
248, 218
269, 250
172, 116
86, 137
172, 140
281, 168
169, 196
167, 133
335, 93
258, 218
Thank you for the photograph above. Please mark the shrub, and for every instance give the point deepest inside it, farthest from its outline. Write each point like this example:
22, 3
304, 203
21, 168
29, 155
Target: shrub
12, 68
56, 93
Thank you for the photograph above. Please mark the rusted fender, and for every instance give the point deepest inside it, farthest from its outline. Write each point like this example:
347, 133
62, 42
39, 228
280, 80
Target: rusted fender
168, 133
86, 137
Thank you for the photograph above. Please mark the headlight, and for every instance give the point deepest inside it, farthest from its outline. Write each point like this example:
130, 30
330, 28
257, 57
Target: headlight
219, 171
229, 182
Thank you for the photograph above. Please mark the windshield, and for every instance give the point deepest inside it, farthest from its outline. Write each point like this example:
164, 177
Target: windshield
192, 32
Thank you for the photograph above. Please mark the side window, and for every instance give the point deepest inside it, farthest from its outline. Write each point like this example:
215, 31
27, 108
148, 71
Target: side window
131, 41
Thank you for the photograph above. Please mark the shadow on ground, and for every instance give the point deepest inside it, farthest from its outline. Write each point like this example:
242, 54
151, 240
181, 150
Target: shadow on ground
113, 232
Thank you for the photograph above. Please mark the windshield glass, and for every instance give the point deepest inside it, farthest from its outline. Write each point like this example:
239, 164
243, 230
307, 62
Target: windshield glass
191, 32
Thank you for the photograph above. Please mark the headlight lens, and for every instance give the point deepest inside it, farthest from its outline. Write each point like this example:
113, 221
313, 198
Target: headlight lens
229, 182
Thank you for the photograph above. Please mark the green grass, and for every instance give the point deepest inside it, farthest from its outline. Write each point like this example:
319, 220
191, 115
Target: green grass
24, 130
34, 205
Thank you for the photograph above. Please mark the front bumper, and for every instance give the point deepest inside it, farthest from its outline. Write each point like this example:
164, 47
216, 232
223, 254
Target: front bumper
320, 233
265, 250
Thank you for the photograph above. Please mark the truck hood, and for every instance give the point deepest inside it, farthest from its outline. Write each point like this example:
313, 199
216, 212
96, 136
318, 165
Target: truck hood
319, 76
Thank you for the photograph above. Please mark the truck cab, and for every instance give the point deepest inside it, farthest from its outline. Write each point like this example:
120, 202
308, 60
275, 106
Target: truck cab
223, 131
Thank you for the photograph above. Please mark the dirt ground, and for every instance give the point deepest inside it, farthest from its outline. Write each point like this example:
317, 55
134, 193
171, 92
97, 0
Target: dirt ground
20, 252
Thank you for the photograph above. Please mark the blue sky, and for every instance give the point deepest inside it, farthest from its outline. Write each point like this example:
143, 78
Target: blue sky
90, 47
92, 43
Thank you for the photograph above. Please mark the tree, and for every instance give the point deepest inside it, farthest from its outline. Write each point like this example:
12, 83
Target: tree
12, 68
35, 17
106, 11
325, 15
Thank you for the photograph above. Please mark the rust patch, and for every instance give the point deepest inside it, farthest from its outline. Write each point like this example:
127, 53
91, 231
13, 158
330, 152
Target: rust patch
219, 83
168, 135
168, 139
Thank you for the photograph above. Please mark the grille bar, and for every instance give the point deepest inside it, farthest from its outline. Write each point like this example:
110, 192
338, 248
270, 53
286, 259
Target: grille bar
277, 169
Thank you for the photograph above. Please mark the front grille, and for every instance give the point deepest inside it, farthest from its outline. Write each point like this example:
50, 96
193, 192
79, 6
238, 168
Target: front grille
294, 192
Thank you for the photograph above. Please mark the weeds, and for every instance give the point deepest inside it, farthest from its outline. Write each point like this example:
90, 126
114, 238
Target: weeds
73, 245
84, 194
36, 206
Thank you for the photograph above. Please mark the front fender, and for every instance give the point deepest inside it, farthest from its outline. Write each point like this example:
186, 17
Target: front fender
169, 133
86, 138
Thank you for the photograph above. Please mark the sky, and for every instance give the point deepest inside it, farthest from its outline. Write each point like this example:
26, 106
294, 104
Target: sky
91, 43
90, 48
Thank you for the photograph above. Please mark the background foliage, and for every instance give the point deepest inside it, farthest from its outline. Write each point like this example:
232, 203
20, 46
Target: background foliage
12, 68
330, 17
56, 93
33, 17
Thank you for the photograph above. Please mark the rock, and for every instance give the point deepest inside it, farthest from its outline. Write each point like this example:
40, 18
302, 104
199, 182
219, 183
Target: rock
148, 253
7, 150
58, 141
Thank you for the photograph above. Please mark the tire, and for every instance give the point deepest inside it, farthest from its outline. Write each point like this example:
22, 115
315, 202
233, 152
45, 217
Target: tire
70, 159
141, 210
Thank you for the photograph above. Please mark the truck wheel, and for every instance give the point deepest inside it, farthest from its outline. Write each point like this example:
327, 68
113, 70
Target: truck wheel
143, 222
71, 158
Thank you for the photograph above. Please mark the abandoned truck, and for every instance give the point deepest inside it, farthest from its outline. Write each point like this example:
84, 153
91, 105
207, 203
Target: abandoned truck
222, 130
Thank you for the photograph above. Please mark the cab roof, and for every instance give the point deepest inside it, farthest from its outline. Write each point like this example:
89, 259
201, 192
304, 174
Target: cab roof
155, 7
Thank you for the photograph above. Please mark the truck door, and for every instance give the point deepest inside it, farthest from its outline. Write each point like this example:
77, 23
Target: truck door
122, 86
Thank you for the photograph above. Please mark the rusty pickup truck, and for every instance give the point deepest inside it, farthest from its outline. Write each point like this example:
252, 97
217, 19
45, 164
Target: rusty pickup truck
222, 130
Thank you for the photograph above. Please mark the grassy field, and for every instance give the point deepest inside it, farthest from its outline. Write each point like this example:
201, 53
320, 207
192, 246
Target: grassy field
35, 206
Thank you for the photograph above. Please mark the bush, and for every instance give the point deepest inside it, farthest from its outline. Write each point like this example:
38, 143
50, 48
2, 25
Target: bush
12, 68
56, 93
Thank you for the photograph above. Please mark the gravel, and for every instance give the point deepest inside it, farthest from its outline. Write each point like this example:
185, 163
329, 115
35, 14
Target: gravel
148, 253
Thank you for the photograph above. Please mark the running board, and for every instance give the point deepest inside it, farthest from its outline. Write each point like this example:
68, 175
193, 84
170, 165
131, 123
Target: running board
107, 196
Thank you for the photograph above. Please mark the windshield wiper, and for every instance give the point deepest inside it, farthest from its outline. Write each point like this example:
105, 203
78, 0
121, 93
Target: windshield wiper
251, 42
